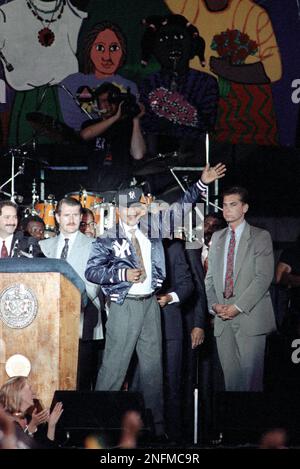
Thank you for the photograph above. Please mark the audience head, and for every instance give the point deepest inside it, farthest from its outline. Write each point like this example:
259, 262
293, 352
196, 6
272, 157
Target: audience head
212, 222
16, 396
276, 438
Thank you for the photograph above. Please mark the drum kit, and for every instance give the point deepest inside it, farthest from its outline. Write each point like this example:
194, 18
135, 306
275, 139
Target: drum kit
102, 205
58, 132
46, 211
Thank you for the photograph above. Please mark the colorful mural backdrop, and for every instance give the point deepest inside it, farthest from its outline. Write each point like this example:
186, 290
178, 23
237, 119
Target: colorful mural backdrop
54, 51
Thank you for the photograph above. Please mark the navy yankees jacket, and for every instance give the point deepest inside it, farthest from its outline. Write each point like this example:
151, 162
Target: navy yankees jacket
113, 253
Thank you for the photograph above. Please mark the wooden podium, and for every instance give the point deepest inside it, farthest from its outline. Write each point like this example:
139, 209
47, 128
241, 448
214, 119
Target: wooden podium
40, 302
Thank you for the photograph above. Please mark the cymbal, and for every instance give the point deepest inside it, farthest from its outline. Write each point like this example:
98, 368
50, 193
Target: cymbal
22, 157
162, 163
175, 158
152, 166
171, 194
52, 128
108, 196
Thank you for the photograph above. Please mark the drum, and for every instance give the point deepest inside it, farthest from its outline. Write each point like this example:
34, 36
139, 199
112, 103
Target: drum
46, 210
49, 215
87, 199
39, 209
105, 216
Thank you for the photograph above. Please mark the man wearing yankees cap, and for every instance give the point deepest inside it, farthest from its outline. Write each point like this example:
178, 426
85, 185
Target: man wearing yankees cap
128, 262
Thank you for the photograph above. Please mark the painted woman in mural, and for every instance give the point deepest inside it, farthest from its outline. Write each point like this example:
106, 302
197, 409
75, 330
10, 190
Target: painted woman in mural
244, 56
38, 41
105, 52
181, 102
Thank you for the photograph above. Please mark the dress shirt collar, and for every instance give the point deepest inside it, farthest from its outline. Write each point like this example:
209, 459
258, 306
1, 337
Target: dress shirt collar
71, 237
238, 230
128, 228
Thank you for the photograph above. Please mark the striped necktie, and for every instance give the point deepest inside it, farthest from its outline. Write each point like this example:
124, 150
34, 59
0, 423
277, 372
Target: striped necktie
138, 251
228, 290
65, 249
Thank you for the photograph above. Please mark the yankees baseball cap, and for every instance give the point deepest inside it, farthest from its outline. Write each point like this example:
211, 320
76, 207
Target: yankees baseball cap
129, 196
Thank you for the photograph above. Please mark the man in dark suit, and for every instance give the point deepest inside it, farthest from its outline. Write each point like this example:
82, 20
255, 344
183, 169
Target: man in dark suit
176, 289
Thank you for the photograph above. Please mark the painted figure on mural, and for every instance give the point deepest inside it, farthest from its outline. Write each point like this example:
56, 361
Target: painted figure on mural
127, 14
105, 52
181, 102
244, 55
48, 39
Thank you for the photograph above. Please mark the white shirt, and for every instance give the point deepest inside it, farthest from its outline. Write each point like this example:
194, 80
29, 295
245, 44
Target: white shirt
204, 254
144, 288
61, 243
33, 63
8, 242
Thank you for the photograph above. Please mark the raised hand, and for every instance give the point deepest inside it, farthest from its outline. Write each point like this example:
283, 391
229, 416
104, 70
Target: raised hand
55, 414
53, 419
37, 418
210, 174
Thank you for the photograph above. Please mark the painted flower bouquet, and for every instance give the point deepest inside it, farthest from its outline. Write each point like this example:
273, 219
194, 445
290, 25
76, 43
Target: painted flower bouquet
235, 46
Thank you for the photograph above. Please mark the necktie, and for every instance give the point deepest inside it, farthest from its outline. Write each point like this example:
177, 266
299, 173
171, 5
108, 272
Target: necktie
228, 290
138, 251
65, 249
4, 252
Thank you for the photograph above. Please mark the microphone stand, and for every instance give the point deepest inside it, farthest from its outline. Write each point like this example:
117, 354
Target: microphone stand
11, 180
20, 153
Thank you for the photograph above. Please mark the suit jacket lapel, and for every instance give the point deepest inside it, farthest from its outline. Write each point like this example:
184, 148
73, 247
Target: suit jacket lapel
12, 245
220, 261
75, 250
242, 250
51, 247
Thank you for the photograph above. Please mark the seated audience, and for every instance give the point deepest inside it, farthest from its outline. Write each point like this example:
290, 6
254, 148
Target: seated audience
17, 397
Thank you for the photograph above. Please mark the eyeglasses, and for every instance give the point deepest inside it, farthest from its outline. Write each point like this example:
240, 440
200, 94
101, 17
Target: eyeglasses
92, 224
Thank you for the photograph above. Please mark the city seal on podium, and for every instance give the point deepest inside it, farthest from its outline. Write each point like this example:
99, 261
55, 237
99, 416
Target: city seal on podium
18, 306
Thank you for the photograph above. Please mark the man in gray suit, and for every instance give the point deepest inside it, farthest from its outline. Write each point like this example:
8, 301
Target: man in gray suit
240, 271
74, 247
